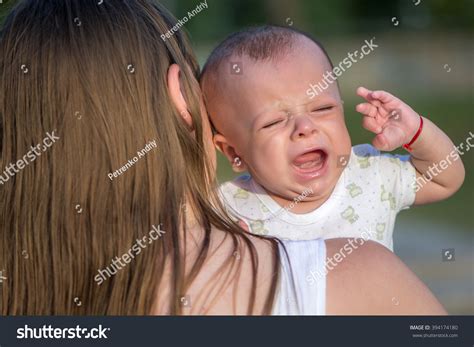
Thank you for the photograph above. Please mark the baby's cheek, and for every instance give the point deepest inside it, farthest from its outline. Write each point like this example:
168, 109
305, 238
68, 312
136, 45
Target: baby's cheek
266, 160
340, 137
273, 150
269, 159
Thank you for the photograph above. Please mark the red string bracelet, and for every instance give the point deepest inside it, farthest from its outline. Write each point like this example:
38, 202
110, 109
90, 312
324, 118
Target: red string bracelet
417, 135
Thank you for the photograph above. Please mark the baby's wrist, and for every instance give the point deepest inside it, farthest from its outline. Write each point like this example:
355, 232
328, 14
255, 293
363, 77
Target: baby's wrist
416, 129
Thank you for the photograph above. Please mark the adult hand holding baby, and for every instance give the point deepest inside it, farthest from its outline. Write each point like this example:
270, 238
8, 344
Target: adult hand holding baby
394, 122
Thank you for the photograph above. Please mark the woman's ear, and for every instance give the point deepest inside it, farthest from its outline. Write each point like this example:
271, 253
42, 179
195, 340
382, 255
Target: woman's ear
237, 163
176, 95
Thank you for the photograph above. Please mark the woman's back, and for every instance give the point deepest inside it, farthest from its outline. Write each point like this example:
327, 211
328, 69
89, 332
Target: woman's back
371, 280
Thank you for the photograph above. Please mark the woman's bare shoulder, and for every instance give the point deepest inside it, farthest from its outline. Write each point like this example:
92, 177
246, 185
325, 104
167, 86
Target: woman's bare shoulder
371, 280
235, 256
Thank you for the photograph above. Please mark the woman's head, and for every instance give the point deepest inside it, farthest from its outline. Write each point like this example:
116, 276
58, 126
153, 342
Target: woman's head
99, 76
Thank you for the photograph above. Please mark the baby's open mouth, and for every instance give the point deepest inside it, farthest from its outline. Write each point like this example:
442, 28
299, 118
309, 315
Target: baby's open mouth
311, 162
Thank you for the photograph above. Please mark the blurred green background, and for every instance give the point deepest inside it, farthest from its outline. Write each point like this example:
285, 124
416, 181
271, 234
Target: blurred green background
425, 57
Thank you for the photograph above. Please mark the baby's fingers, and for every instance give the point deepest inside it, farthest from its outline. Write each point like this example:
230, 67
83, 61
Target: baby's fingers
383, 96
391, 138
364, 92
367, 95
367, 109
371, 125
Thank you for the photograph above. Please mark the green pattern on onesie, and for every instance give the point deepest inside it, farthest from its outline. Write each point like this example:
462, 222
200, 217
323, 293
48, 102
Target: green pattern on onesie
350, 215
241, 194
264, 208
380, 228
387, 196
258, 227
354, 190
364, 162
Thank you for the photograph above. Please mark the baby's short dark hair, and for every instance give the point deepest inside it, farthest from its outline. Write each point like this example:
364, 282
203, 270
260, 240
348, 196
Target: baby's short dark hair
259, 43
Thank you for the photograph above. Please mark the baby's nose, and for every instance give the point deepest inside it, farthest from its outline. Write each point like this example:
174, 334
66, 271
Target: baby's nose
304, 127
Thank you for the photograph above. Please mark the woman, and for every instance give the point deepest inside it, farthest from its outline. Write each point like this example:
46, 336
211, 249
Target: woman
100, 77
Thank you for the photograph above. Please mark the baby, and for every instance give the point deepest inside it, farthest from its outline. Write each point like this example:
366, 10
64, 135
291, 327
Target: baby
305, 179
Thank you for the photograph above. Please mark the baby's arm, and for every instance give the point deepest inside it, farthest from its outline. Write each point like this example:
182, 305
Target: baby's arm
433, 154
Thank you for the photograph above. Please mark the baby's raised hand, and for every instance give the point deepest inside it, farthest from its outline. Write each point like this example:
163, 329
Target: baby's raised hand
394, 122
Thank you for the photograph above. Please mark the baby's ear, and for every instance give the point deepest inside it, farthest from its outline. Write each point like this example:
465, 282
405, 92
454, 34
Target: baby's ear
220, 142
225, 148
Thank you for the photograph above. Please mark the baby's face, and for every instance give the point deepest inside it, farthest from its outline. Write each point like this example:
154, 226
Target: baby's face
288, 141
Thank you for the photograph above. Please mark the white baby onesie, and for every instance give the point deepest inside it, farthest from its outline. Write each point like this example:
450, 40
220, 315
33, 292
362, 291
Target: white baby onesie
371, 191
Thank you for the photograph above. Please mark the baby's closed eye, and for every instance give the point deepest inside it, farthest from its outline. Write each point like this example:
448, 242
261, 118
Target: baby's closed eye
322, 109
272, 123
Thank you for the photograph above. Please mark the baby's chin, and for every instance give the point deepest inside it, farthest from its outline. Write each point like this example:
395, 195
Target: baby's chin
303, 198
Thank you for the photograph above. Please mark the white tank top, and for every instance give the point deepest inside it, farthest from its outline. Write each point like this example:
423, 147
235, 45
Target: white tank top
297, 292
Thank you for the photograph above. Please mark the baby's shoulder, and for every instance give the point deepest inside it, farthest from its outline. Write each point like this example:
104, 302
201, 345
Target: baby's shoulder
364, 158
365, 150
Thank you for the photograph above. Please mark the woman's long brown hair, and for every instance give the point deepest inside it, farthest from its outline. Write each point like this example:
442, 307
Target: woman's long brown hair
96, 75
